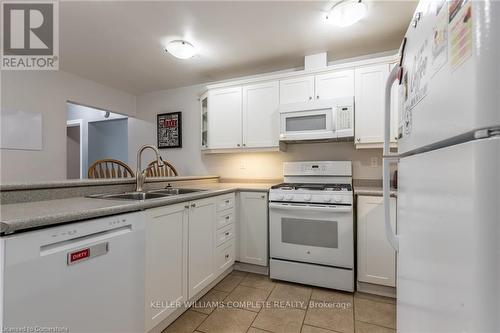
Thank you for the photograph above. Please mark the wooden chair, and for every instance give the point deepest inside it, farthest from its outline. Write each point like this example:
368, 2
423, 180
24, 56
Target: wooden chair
110, 168
167, 170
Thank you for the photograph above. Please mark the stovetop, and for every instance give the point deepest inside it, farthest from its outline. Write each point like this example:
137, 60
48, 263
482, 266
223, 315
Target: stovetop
313, 187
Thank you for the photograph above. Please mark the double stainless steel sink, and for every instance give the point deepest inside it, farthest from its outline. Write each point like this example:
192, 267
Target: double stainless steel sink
148, 195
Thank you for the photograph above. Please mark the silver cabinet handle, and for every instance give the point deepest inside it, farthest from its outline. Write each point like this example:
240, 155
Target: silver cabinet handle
227, 233
238, 145
244, 145
227, 256
310, 98
227, 217
227, 201
358, 139
187, 206
193, 205
263, 197
317, 97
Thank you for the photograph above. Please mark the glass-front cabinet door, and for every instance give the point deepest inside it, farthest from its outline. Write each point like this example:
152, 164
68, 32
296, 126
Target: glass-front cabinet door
204, 121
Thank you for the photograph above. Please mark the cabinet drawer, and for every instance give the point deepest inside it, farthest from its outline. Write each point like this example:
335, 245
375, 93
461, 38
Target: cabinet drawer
225, 202
225, 234
225, 218
225, 255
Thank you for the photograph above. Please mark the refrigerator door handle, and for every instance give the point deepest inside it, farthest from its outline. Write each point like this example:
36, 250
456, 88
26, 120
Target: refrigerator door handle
387, 158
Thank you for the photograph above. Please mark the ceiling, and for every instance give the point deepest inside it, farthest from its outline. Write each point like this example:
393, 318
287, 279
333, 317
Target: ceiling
120, 44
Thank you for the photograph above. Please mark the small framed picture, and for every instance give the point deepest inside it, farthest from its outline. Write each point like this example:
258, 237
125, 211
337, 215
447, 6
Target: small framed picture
169, 130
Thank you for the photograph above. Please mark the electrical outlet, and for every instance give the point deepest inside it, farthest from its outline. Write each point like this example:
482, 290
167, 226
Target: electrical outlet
374, 162
243, 165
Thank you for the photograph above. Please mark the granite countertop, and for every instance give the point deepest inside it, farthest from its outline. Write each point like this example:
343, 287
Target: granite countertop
28, 215
94, 182
373, 191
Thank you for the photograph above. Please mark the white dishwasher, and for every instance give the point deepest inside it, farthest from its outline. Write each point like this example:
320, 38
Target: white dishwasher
80, 277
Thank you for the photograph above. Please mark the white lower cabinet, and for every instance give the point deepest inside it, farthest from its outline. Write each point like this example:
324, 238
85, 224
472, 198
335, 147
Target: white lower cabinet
202, 219
253, 228
376, 257
166, 261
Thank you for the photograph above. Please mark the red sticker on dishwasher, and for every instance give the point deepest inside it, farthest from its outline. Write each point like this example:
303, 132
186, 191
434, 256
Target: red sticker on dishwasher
78, 255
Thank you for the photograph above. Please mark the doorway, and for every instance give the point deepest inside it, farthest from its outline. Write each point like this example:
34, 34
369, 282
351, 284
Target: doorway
73, 149
93, 134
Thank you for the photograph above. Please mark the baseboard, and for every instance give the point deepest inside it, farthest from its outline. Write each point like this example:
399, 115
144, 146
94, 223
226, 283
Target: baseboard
251, 268
177, 313
376, 289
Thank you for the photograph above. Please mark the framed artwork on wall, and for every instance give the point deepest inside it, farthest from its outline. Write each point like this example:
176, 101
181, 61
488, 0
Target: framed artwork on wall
169, 130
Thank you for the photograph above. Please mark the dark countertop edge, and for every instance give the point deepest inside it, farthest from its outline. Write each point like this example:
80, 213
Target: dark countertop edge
94, 182
8, 228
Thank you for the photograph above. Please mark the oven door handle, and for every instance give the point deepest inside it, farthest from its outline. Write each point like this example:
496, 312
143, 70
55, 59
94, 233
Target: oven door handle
329, 209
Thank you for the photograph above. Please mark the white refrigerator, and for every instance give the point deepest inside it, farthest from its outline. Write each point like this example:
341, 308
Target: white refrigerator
448, 230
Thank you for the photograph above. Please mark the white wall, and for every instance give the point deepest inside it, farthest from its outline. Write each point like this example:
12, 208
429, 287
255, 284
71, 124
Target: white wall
108, 139
47, 92
189, 160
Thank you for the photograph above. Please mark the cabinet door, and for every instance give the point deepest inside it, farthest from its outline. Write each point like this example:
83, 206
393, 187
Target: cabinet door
297, 90
201, 244
369, 103
253, 228
224, 118
376, 257
335, 84
166, 261
260, 115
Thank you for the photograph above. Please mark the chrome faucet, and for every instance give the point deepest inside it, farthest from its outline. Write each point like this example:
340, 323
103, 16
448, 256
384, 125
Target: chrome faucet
140, 175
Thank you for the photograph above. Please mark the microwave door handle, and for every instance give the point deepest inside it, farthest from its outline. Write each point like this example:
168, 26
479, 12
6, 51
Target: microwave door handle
334, 119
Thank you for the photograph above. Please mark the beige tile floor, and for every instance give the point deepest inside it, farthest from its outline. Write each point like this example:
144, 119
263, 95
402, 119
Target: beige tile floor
246, 302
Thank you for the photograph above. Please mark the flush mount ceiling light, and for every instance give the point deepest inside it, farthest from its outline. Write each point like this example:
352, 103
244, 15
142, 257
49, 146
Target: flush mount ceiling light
347, 12
181, 49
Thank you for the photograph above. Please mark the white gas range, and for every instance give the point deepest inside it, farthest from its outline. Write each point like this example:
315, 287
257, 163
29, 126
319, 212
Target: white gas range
311, 225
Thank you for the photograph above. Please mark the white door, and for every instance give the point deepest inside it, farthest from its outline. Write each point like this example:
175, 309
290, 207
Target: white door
224, 118
201, 244
166, 261
297, 90
253, 228
320, 234
376, 257
369, 103
335, 84
448, 228
260, 115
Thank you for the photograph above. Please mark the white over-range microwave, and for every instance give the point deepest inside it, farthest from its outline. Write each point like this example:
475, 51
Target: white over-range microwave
317, 120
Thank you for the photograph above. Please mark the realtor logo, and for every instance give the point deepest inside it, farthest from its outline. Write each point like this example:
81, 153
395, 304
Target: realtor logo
30, 35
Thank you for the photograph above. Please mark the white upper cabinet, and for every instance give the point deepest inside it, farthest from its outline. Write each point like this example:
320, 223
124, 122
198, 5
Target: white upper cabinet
166, 260
224, 118
260, 115
296, 90
376, 257
334, 84
369, 103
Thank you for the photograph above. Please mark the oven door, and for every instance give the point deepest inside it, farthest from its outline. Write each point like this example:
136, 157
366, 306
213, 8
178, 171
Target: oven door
321, 234
311, 124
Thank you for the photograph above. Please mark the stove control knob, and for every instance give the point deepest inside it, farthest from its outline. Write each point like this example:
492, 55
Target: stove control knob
307, 197
279, 196
327, 199
288, 197
337, 198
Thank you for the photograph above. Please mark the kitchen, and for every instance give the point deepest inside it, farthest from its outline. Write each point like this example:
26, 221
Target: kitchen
282, 181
